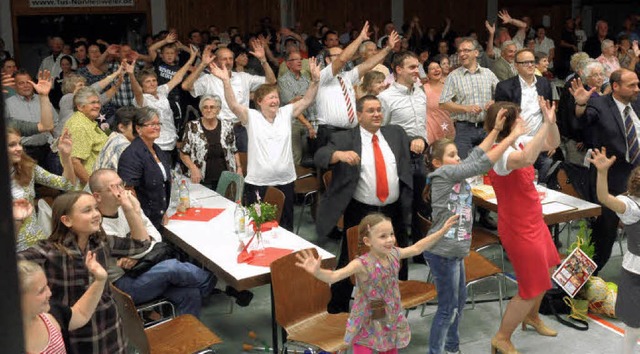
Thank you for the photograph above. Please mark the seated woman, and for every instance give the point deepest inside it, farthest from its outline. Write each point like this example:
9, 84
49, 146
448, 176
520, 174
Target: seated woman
269, 155
25, 173
46, 325
145, 167
206, 151
119, 139
77, 231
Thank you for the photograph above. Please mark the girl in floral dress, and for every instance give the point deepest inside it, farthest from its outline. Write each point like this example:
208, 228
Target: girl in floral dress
376, 322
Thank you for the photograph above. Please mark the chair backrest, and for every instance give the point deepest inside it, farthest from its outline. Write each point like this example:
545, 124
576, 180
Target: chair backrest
131, 322
297, 295
355, 246
424, 224
243, 162
326, 179
231, 186
564, 182
276, 197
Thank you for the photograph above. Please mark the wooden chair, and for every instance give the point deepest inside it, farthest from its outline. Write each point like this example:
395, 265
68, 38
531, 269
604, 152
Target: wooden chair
482, 239
231, 186
243, 163
326, 180
300, 302
276, 197
477, 267
412, 292
183, 334
306, 184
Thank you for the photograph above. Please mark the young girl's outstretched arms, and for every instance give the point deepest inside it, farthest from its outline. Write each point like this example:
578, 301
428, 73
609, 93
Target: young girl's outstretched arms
602, 164
311, 264
428, 241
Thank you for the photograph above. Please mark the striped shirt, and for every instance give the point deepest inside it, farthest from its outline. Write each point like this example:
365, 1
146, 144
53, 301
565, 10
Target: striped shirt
467, 88
56, 342
69, 278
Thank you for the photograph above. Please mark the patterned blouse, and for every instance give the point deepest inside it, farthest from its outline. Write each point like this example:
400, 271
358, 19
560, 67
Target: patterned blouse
88, 139
30, 231
111, 151
195, 144
69, 278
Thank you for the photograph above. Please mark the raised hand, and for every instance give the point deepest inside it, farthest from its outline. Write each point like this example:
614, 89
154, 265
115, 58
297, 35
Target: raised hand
22, 209
491, 28
65, 144
314, 69
113, 49
504, 16
548, 110
220, 73
171, 37
599, 159
308, 262
636, 50
579, 93
500, 119
94, 267
7, 81
257, 49
128, 68
45, 82
364, 33
207, 55
394, 39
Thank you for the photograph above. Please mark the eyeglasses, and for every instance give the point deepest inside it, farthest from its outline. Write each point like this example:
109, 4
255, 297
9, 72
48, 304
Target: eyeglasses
93, 102
526, 62
465, 51
153, 125
596, 75
295, 59
210, 107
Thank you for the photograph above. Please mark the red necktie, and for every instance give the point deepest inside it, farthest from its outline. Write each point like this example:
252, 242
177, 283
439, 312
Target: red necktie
382, 187
347, 100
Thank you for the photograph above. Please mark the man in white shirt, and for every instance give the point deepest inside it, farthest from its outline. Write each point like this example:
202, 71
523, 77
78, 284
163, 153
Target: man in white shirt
52, 62
335, 102
358, 187
404, 103
182, 283
199, 83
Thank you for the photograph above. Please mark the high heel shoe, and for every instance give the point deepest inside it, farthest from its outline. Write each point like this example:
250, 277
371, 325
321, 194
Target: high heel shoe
540, 327
502, 347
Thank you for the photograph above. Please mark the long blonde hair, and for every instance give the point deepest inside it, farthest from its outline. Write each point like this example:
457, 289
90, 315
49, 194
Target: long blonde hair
23, 170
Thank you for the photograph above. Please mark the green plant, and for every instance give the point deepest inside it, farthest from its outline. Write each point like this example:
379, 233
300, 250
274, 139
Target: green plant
261, 213
583, 238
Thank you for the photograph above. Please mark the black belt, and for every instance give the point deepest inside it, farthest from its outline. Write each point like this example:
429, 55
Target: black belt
476, 124
331, 128
384, 209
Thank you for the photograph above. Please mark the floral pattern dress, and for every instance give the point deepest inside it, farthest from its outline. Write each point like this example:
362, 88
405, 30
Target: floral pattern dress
195, 145
386, 333
30, 232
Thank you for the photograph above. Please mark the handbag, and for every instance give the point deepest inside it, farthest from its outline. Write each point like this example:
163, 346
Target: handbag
161, 251
556, 302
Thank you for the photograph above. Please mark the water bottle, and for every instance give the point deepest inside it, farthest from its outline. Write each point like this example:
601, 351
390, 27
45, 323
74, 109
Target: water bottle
183, 192
240, 217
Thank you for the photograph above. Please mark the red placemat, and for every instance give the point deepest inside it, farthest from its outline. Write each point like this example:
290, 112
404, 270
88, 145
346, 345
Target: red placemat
197, 214
264, 258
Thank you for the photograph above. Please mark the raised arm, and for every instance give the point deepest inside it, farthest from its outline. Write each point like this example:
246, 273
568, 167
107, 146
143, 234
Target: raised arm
286, 32
207, 59
153, 49
177, 78
64, 148
110, 78
43, 87
239, 110
135, 85
602, 164
82, 310
491, 29
258, 51
580, 95
302, 104
507, 19
338, 63
308, 262
112, 50
376, 59
427, 242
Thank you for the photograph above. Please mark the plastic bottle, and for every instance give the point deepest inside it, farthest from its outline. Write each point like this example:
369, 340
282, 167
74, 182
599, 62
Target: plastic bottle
185, 202
240, 217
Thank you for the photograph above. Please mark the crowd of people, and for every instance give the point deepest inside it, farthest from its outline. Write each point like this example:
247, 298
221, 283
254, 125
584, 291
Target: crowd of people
387, 112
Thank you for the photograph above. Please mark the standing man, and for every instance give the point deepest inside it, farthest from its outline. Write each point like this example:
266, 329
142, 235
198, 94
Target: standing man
593, 45
524, 90
241, 82
467, 93
504, 67
611, 122
371, 173
336, 97
404, 103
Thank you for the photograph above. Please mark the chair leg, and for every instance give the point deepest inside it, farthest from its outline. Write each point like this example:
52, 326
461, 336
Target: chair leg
569, 227
499, 293
304, 204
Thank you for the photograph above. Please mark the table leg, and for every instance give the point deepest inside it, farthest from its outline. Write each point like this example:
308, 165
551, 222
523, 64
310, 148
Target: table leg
274, 324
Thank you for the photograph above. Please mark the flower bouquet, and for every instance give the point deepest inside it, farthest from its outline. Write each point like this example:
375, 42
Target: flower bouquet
262, 216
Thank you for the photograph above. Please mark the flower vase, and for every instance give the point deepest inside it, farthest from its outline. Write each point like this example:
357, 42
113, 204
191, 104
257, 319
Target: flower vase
258, 246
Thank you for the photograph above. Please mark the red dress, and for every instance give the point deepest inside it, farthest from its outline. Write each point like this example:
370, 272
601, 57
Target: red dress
522, 230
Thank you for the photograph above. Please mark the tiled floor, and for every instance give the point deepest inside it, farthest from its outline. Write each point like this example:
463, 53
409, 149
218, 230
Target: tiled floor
476, 329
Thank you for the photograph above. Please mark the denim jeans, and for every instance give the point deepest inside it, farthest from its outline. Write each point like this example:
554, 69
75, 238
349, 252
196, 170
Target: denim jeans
182, 283
448, 275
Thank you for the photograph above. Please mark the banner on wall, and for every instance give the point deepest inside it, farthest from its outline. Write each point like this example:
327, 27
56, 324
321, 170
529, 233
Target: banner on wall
80, 3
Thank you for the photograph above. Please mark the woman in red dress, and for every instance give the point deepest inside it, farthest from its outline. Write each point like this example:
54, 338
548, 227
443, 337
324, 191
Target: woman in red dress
521, 226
